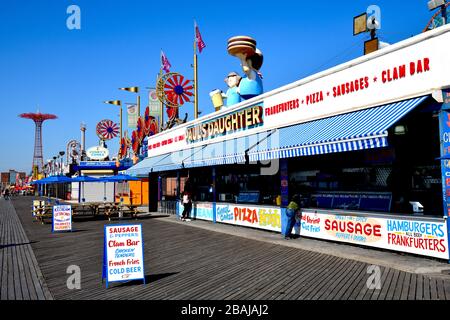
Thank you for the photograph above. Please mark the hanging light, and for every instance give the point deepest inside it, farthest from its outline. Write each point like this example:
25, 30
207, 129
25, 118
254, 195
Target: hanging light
400, 130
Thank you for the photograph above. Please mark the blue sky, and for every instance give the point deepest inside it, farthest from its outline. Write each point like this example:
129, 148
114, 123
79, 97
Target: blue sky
70, 72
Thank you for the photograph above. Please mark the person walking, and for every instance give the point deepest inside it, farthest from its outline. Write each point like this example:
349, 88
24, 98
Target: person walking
291, 212
187, 204
6, 194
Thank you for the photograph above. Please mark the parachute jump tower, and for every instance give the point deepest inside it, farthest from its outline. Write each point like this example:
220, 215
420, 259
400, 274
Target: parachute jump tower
38, 118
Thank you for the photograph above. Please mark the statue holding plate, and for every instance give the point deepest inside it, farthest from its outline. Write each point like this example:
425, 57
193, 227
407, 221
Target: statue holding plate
248, 86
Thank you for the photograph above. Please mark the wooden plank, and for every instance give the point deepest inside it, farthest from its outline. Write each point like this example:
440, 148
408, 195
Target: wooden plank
312, 271
261, 275
433, 291
397, 292
16, 264
447, 289
23, 285
426, 288
315, 276
412, 287
329, 281
405, 286
440, 289
386, 284
365, 289
372, 294
357, 283
419, 287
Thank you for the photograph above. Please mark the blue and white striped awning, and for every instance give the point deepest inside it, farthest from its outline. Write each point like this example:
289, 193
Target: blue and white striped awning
365, 129
226, 152
172, 161
143, 168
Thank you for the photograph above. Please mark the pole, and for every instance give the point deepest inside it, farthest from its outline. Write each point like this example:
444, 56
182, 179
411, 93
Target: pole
444, 128
139, 105
195, 82
161, 109
120, 124
444, 14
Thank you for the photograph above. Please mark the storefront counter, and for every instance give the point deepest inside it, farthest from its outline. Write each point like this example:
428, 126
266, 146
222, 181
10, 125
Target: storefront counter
415, 234
254, 216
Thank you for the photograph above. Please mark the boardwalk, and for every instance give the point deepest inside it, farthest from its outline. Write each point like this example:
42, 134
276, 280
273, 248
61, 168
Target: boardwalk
187, 263
20, 276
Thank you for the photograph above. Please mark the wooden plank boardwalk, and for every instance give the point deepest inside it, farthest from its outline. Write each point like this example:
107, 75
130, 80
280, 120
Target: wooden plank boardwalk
20, 276
187, 263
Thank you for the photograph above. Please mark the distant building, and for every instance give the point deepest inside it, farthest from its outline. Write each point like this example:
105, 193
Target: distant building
4, 178
10, 177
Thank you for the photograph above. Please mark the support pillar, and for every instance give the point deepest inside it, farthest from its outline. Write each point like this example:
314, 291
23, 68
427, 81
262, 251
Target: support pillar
444, 134
214, 194
284, 191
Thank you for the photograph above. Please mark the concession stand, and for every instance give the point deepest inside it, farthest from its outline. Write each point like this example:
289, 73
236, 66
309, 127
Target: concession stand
365, 144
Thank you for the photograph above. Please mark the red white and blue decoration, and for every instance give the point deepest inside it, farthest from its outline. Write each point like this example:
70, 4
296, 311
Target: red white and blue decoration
107, 130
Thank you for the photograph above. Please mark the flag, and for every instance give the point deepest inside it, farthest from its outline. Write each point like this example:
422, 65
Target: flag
153, 103
198, 38
165, 64
132, 116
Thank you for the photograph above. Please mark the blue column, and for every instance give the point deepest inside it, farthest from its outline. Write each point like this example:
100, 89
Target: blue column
444, 133
284, 191
159, 188
178, 185
214, 194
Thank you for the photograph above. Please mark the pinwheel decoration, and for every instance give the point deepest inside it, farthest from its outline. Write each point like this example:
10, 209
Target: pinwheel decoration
174, 90
107, 130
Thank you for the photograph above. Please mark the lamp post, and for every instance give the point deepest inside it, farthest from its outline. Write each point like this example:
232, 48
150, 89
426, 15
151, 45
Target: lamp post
54, 166
117, 103
138, 101
83, 140
61, 153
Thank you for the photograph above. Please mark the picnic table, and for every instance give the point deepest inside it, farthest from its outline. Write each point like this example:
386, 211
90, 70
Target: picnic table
109, 209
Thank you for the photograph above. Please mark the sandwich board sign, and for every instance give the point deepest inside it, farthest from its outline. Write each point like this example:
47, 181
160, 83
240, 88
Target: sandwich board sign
62, 218
123, 253
38, 205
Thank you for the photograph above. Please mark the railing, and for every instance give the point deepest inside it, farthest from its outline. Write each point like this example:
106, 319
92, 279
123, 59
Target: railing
167, 206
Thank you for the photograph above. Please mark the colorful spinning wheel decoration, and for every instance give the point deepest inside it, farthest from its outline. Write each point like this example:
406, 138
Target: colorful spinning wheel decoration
124, 146
107, 130
173, 89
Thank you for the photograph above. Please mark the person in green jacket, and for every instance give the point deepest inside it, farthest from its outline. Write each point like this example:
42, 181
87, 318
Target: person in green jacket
291, 212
